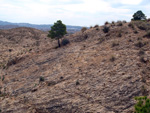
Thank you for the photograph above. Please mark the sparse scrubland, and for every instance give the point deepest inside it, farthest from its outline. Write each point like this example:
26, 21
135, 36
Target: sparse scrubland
103, 69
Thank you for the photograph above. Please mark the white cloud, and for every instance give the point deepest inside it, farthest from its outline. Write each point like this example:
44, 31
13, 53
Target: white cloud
126, 2
73, 12
131, 2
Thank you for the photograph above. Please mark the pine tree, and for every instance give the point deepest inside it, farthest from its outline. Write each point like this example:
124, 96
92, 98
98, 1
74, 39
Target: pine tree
58, 30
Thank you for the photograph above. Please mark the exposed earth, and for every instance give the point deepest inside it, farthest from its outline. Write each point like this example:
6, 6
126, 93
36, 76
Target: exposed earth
98, 71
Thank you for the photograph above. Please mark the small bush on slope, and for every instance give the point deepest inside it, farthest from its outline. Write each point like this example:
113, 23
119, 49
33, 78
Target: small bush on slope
65, 42
143, 105
106, 29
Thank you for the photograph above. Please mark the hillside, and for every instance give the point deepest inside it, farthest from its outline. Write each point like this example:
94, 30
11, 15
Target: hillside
43, 27
96, 72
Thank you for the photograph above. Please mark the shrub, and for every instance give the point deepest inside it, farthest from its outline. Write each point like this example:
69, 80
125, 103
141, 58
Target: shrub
119, 35
141, 52
106, 29
124, 21
61, 77
41, 79
112, 59
77, 82
3, 94
106, 22
147, 34
51, 83
119, 23
83, 29
96, 25
65, 42
142, 105
115, 44
113, 22
140, 44
143, 59
131, 25
3, 78
97, 29
135, 31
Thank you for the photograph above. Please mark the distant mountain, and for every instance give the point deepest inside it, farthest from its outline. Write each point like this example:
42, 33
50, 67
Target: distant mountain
43, 27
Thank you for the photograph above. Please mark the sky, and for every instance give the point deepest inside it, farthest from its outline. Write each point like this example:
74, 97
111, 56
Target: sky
71, 12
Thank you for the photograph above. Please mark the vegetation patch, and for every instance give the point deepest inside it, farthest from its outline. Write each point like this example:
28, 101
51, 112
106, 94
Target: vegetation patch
65, 42
77, 82
142, 105
51, 83
131, 25
112, 59
106, 22
119, 34
140, 44
106, 29
119, 23
2, 94
14, 61
115, 44
96, 26
144, 59
141, 52
147, 34
41, 79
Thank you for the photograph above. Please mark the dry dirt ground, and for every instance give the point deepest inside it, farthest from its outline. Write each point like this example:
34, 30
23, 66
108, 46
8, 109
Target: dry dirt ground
96, 72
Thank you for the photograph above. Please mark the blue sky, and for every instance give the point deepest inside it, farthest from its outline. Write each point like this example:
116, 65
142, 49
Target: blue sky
71, 12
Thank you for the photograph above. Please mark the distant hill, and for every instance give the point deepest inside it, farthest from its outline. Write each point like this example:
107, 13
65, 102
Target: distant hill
43, 27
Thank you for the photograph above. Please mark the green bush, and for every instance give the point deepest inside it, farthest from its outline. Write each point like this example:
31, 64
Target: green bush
106, 22
106, 29
139, 15
65, 42
41, 79
142, 105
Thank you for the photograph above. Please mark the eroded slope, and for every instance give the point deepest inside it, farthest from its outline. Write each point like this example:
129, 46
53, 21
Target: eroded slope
96, 72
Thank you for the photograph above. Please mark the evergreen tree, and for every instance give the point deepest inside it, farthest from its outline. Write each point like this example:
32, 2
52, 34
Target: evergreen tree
58, 30
139, 15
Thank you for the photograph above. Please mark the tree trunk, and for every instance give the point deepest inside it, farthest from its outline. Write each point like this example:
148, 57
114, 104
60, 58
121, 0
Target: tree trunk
58, 43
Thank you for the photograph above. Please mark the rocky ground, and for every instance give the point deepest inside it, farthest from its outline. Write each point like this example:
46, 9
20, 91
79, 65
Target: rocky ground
96, 72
